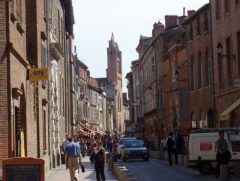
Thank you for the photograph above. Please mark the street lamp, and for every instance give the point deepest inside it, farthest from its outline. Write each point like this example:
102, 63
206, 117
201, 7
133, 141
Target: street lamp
220, 52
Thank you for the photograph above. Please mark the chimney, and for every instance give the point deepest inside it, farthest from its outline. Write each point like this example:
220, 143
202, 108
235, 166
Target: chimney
181, 19
157, 29
190, 12
171, 20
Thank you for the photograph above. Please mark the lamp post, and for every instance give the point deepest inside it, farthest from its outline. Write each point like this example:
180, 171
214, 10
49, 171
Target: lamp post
220, 52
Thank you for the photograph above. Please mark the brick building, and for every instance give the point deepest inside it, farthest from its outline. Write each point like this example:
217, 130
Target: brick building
226, 58
199, 60
14, 88
33, 35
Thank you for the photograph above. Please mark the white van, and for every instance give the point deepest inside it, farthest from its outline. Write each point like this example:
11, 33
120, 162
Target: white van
202, 148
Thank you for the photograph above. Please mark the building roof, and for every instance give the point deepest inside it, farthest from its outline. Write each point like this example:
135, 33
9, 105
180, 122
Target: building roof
194, 15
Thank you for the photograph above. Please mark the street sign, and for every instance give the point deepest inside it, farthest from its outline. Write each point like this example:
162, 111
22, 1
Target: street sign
38, 74
236, 82
23, 169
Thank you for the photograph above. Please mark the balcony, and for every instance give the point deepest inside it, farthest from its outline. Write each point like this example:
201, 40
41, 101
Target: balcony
55, 47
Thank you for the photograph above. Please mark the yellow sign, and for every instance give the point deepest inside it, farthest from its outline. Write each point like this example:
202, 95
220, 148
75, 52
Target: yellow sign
37, 74
22, 144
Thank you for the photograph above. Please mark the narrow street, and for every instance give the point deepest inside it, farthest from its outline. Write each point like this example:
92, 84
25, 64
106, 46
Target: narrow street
158, 170
61, 174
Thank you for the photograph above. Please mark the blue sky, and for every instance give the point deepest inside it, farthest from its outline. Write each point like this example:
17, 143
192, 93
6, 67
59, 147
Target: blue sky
95, 20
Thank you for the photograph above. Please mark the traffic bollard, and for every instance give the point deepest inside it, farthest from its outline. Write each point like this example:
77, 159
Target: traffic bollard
223, 172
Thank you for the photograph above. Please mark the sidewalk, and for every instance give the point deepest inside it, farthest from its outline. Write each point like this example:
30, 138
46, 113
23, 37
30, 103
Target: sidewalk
61, 174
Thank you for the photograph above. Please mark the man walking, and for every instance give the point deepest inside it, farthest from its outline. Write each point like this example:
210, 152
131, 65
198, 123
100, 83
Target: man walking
73, 158
223, 155
62, 148
171, 147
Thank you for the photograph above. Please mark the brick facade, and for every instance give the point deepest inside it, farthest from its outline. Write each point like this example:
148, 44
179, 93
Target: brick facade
199, 61
24, 104
4, 83
226, 28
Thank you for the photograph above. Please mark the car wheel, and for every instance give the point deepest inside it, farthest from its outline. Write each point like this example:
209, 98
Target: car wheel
205, 168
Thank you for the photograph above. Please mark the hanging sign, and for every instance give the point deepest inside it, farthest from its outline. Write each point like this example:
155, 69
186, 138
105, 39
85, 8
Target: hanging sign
38, 74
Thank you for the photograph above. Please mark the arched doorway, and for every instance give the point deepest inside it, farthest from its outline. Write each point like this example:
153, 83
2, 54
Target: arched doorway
19, 122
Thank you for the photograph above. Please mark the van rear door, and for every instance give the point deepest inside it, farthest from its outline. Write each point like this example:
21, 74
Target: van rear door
235, 145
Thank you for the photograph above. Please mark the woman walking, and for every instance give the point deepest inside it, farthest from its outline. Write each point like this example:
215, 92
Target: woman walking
98, 157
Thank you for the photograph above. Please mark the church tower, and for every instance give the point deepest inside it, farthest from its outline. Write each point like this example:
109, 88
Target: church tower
114, 77
114, 71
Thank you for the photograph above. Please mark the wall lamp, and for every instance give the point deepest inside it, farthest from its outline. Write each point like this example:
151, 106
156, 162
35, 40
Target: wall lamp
220, 52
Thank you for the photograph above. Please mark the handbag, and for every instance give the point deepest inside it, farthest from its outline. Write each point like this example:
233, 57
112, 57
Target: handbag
83, 168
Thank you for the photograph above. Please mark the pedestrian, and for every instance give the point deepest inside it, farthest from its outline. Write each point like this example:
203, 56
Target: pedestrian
171, 148
62, 148
223, 155
179, 143
83, 148
98, 158
73, 158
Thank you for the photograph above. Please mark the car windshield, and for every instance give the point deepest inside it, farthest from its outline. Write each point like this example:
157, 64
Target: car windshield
135, 144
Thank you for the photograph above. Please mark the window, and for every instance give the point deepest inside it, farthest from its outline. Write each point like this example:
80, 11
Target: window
45, 8
207, 81
153, 64
238, 51
206, 22
198, 27
193, 74
220, 70
227, 5
43, 55
200, 73
237, 2
59, 28
235, 146
194, 120
44, 131
190, 34
19, 11
218, 8
229, 60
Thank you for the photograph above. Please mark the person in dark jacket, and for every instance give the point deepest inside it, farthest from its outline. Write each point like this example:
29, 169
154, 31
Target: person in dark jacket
223, 155
98, 157
171, 148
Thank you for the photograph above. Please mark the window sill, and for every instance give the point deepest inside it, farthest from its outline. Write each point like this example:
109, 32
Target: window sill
20, 28
13, 17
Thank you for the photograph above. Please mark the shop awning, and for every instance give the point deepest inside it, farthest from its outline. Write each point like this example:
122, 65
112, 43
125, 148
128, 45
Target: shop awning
86, 129
82, 132
226, 114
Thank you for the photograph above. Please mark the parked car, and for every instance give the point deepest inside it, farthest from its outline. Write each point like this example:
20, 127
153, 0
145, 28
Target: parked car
134, 149
202, 149
120, 144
